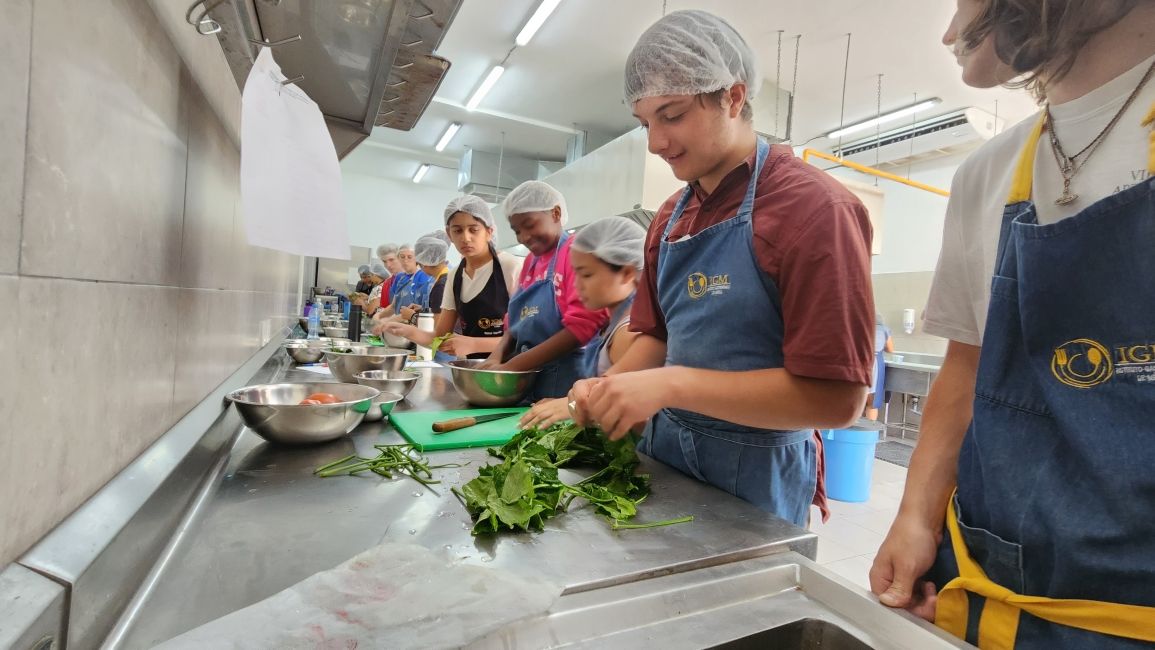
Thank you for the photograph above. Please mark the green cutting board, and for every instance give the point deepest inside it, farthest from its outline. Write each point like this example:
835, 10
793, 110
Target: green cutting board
417, 427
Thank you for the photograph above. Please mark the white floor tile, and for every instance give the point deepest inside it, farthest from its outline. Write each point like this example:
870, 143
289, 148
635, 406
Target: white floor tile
840, 530
831, 551
855, 569
877, 522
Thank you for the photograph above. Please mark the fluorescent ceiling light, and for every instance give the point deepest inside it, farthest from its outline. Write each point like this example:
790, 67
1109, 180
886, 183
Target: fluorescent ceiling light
447, 136
421, 171
486, 85
885, 118
536, 21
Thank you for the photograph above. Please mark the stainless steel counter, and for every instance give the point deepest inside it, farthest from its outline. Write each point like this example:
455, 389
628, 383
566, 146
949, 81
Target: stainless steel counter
266, 523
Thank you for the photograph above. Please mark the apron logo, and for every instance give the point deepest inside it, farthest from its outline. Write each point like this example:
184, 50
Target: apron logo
489, 323
699, 284
1082, 363
529, 311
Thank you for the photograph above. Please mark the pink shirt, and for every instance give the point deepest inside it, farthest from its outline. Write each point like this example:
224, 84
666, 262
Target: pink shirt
583, 323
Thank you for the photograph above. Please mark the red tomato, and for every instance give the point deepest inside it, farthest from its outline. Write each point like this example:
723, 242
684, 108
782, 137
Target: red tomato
309, 401
324, 398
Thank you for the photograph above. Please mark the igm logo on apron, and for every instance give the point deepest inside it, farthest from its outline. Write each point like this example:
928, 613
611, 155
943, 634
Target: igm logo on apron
1084, 363
699, 285
489, 323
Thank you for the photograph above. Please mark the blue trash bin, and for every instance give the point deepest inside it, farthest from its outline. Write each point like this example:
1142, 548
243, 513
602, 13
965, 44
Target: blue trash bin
850, 461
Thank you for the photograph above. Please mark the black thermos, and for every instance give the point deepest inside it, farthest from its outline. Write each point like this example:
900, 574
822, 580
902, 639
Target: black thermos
355, 323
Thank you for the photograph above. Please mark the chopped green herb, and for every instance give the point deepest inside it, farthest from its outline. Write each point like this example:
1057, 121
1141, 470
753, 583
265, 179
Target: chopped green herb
403, 459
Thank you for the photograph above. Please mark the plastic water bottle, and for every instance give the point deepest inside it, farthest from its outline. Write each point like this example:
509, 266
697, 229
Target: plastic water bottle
425, 324
315, 320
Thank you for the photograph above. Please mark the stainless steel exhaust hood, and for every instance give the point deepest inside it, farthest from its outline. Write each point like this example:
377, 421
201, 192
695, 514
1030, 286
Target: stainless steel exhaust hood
365, 62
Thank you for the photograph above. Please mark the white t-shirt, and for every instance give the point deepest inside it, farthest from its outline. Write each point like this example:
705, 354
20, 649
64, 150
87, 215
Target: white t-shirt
960, 294
470, 287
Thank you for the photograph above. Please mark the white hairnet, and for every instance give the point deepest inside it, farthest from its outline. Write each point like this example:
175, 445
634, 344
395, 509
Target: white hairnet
431, 249
613, 240
378, 269
470, 204
385, 250
363, 269
534, 196
689, 53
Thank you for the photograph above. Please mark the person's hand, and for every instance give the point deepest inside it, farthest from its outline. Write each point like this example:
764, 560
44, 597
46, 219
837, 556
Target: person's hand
619, 403
407, 313
546, 413
404, 330
459, 346
358, 298
905, 556
579, 395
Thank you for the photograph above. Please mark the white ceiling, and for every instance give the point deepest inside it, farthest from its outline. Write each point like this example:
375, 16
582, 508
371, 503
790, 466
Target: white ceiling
571, 73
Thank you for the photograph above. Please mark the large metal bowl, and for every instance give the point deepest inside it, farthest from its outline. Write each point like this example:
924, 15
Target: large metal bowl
395, 341
304, 353
490, 387
322, 342
345, 365
336, 332
382, 405
274, 411
389, 381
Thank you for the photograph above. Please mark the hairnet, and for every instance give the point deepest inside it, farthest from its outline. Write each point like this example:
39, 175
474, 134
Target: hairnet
378, 269
363, 269
385, 250
534, 196
689, 53
470, 204
431, 249
613, 240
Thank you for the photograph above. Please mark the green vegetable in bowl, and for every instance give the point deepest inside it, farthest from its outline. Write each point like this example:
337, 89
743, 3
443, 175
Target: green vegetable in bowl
524, 490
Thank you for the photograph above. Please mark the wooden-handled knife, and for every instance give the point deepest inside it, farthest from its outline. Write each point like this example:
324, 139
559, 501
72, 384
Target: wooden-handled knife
446, 426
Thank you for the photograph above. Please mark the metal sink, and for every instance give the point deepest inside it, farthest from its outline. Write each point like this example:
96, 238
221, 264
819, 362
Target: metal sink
799, 635
777, 601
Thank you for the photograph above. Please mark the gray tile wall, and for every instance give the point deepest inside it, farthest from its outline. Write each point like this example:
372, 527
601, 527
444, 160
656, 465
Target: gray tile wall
122, 250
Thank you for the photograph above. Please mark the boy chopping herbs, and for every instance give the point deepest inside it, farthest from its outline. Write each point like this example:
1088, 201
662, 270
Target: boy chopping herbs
755, 312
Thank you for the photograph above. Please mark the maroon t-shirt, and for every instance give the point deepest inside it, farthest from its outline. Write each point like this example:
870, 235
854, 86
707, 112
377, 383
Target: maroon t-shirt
812, 236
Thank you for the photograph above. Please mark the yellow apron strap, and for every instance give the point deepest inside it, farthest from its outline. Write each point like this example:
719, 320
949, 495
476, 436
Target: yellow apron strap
1025, 169
999, 621
1150, 121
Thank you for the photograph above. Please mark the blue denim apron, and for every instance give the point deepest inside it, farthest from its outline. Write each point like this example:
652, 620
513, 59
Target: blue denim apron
1056, 480
408, 289
601, 342
533, 318
723, 312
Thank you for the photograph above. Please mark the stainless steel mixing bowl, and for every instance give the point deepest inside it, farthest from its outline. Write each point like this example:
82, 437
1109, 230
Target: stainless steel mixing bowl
345, 365
275, 413
490, 387
390, 381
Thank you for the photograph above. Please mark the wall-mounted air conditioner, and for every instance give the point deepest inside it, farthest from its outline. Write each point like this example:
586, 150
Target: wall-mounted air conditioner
478, 171
944, 135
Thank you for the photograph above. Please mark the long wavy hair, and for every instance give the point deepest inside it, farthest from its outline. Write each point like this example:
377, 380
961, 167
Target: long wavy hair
1041, 39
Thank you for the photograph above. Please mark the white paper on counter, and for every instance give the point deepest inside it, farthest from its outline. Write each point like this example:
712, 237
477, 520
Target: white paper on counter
391, 596
423, 364
290, 179
320, 369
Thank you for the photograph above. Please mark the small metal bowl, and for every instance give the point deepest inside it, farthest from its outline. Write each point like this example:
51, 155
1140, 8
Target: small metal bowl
335, 322
361, 357
275, 413
490, 387
304, 353
394, 341
336, 332
382, 405
391, 381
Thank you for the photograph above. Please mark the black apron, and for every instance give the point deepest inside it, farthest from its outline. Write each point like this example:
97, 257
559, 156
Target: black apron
484, 315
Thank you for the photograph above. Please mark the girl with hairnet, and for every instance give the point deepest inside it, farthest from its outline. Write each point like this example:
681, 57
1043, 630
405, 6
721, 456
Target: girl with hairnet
755, 309
548, 325
607, 257
475, 303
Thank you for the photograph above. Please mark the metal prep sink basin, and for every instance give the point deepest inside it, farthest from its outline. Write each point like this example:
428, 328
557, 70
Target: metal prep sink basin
806, 634
777, 601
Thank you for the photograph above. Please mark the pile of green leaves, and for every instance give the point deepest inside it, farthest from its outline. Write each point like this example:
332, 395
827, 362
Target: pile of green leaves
524, 490
406, 460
